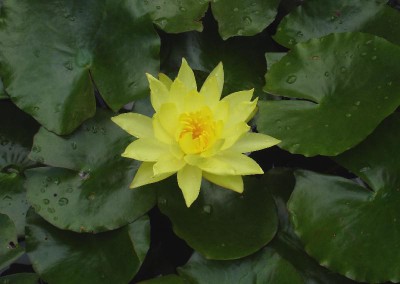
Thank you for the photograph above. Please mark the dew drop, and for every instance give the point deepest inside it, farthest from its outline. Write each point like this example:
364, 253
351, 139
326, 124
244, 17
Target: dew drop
183, 9
291, 41
91, 196
363, 54
348, 114
70, 189
357, 103
158, 7
68, 65
37, 207
386, 97
299, 34
247, 20
63, 201
326, 74
389, 83
368, 42
374, 57
42, 190
365, 169
51, 210
315, 57
46, 201
84, 175
36, 149
57, 181
207, 209
291, 79
343, 69
326, 125
240, 32
162, 201
235, 9
73, 145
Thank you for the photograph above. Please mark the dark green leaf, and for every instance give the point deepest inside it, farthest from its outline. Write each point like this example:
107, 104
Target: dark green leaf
281, 184
341, 90
66, 257
265, 266
273, 57
16, 135
167, 279
50, 51
9, 248
89, 189
222, 224
319, 18
174, 16
346, 227
3, 94
20, 278
243, 17
13, 199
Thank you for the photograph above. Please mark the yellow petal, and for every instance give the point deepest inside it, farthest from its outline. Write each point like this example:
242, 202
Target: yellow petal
225, 163
193, 101
211, 91
168, 116
145, 175
168, 163
145, 149
177, 93
165, 80
234, 183
232, 134
189, 181
135, 124
158, 92
159, 132
250, 142
236, 98
186, 76
217, 73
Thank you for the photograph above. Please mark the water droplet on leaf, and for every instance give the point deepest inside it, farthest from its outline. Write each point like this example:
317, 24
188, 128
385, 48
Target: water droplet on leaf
291, 79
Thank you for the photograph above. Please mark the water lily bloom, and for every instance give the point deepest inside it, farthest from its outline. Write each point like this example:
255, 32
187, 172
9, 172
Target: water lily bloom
195, 134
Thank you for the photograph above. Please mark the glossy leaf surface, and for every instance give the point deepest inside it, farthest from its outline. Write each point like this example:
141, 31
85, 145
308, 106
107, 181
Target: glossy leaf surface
9, 248
66, 257
316, 18
354, 223
222, 224
339, 90
68, 44
20, 278
87, 189
243, 17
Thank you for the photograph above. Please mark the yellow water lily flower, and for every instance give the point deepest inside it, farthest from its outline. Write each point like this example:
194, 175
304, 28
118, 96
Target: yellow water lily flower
195, 134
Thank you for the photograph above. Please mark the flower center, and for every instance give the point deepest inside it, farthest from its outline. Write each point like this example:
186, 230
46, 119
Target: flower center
197, 131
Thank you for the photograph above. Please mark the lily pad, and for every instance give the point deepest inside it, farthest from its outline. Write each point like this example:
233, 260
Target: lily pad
87, 187
16, 135
167, 279
174, 16
243, 17
3, 94
13, 200
9, 247
66, 257
20, 278
315, 19
49, 57
349, 214
340, 91
222, 224
265, 266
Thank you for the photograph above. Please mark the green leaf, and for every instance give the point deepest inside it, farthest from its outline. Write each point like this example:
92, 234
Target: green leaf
66, 257
205, 50
16, 132
265, 266
174, 16
341, 91
243, 17
319, 18
89, 189
49, 57
347, 227
273, 57
222, 224
9, 248
20, 278
3, 94
13, 199
167, 279
281, 183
